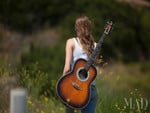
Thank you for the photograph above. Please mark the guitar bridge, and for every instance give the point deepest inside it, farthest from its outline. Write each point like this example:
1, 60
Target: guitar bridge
76, 86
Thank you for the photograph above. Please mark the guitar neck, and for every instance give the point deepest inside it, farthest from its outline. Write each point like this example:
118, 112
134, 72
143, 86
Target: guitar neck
98, 46
95, 52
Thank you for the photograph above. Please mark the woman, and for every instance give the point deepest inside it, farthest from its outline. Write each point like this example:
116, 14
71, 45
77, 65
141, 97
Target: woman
81, 47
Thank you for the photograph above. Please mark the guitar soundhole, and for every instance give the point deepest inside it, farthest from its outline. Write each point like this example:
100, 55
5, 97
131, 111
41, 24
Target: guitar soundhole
83, 74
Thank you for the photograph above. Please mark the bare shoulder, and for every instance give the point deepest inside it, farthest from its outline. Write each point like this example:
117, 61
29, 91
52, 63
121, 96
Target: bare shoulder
70, 42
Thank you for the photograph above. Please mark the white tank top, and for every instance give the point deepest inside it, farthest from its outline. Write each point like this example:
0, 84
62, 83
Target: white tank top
78, 52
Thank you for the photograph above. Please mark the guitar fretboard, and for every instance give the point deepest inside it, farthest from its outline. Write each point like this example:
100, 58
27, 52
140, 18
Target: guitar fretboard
95, 53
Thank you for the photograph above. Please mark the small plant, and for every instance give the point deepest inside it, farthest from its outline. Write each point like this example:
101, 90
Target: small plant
34, 80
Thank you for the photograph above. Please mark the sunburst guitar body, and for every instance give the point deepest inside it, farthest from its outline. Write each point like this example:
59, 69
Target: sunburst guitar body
74, 87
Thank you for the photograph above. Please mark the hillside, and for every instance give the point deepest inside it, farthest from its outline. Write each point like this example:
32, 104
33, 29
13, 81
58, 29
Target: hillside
13, 43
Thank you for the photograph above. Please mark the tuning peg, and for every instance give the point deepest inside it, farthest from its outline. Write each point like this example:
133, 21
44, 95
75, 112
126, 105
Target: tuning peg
108, 27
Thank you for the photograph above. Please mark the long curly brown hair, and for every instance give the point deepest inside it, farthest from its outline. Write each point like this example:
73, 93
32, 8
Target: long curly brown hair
84, 32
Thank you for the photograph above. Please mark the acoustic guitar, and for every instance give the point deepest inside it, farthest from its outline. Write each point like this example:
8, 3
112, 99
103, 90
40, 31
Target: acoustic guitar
74, 87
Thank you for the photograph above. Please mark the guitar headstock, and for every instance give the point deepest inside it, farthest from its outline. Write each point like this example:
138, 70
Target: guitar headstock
108, 27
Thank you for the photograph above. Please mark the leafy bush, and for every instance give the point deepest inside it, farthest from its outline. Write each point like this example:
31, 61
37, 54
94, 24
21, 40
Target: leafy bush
39, 69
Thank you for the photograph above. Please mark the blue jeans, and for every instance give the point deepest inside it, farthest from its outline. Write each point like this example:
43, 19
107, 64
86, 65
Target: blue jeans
90, 108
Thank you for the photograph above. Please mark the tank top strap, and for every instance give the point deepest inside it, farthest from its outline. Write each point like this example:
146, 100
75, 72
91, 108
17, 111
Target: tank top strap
95, 44
75, 40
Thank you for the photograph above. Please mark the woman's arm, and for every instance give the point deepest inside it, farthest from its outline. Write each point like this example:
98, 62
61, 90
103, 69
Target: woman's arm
69, 52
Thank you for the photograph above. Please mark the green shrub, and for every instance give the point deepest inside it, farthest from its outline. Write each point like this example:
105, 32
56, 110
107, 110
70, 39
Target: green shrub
145, 67
39, 69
